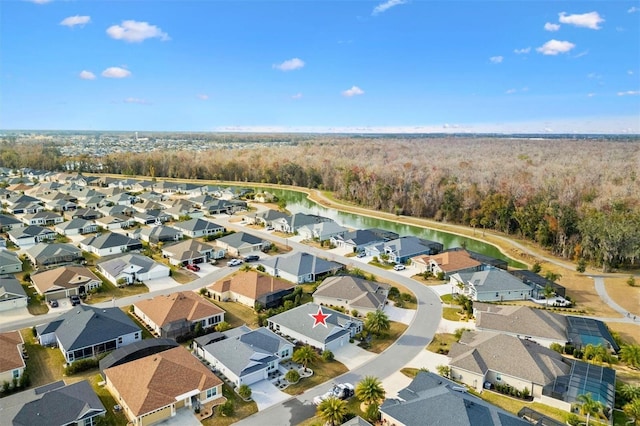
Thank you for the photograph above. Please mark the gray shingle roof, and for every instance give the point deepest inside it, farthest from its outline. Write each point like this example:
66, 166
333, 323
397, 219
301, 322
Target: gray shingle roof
84, 326
300, 264
30, 231
239, 239
109, 240
43, 251
493, 279
197, 224
521, 320
10, 285
353, 289
114, 267
61, 406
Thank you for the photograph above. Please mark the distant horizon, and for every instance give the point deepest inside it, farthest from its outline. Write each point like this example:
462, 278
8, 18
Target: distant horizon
379, 66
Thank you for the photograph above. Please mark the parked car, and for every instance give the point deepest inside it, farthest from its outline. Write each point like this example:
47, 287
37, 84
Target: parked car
252, 258
75, 300
341, 391
361, 254
399, 267
234, 262
270, 228
53, 303
193, 267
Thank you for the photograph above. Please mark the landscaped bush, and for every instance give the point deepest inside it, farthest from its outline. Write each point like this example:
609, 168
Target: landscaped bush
292, 376
244, 391
80, 366
327, 355
557, 347
226, 409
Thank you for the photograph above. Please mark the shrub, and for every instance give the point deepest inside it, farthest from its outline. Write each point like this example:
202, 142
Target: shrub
394, 292
292, 376
244, 391
577, 353
582, 266
631, 282
80, 366
557, 347
327, 355
226, 409
260, 268
573, 419
355, 313
536, 268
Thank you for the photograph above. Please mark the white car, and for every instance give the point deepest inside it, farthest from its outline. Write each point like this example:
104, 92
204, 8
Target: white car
399, 267
341, 391
234, 262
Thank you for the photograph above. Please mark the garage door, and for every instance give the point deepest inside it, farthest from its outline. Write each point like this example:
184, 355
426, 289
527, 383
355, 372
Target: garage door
157, 416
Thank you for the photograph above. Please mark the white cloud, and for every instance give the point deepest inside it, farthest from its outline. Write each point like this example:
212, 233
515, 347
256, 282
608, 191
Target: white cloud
633, 9
590, 95
591, 20
354, 91
290, 64
511, 91
496, 59
297, 96
72, 21
551, 27
202, 96
630, 72
116, 72
383, 7
139, 101
581, 54
629, 93
553, 47
522, 51
87, 75
136, 32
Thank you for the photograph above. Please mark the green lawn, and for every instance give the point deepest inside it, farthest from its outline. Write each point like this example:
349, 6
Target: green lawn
112, 418
379, 344
109, 291
44, 364
35, 305
381, 265
441, 342
237, 314
322, 372
451, 314
146, 334
241, 410
448, 298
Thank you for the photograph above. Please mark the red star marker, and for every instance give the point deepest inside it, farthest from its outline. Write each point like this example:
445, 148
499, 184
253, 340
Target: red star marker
320, 318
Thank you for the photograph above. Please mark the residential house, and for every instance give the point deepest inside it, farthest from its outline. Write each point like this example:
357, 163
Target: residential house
121, 199
10, 263
300, 267
484, 259
151, 217
116, 221
216, 206
157, 234
352, 293
12, 295
57, 404
30, 235
432, 400
184, 210
7, 223
446, 263
297, 323
97, 203
45, 255
152, 195
195, 228
132, 268
483, 359
166, 187
251, 287
190, 189
241, 244
402, 249
65, 281
27, 207
147, 205
153, 388
109, 243
191, 251
43, 218
384, 234
322, 231
538, 283
86, 214
489, 285
543, 327
248, 357
87, 331
116, 210
356, 240
177, 314
76, 227
265, 218
11, 362
292, 224
18, 198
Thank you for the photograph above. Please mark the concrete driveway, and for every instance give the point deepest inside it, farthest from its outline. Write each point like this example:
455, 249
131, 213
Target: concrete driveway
352, 356
183, 417
265, 394
161, 283
401, 315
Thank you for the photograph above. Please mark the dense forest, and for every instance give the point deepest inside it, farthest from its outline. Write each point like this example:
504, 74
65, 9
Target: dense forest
578, 198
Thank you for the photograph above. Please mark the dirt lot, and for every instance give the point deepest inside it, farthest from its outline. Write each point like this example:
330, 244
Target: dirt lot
624, 295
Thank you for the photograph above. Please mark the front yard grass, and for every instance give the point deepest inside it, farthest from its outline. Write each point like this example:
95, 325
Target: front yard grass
237, 314
241, 410
379, 344
322, 372
353, 410
381, 265
451, 314
44, 364
35, 304
441, 343
109, 291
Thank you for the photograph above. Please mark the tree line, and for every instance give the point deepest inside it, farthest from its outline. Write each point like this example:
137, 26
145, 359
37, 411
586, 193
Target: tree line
579, 199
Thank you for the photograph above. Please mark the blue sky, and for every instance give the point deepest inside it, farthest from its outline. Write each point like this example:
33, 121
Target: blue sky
395, 66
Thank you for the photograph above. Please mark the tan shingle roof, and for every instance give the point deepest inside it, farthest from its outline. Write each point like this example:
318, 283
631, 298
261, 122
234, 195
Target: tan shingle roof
10, 354
153, 382
451, 261
522, 320
358, 291
187, 305
65, 277
251, 284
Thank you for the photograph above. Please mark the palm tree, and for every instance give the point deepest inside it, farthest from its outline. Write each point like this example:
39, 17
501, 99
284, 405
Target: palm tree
377, 322
629, 392
305, 355
370, 391
552, 276
332, 410
631, 355
588, 406
632, 410
548, 292
596, 354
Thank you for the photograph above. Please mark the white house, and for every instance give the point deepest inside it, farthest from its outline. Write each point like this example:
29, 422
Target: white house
132, 267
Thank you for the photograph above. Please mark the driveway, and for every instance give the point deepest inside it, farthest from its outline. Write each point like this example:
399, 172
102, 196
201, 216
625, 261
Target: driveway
265, 394
161, 283
404, 316
353, 356
183, 417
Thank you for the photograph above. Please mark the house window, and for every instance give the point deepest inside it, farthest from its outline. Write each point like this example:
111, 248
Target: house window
119, 340
498, 377
137, 336
16, 374
212, 392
